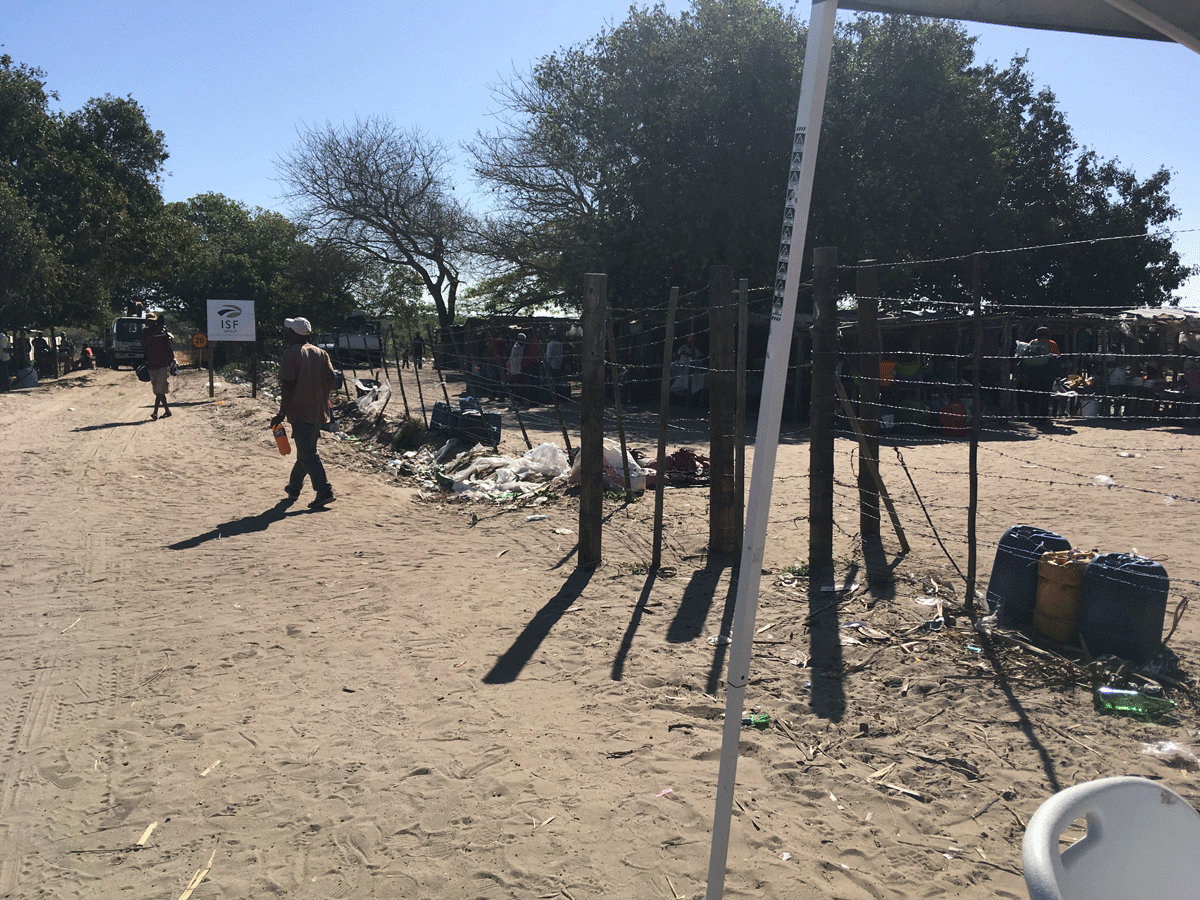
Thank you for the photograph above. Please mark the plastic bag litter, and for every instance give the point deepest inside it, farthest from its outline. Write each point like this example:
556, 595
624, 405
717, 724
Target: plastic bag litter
489, 476
372, 398
613, 473
1173, 754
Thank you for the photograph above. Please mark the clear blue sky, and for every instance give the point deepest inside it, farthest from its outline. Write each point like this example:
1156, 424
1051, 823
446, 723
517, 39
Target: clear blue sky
230, 83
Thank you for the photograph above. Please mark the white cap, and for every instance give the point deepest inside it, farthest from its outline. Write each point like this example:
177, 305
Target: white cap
299, 325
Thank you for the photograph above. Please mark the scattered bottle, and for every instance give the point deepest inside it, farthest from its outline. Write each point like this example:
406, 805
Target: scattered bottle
761, 721
281, 439
1115, 701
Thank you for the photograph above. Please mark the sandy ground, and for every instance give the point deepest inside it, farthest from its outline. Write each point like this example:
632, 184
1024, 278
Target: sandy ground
398, 697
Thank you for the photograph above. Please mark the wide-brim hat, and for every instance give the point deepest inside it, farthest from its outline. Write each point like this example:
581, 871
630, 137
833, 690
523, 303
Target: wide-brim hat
300, 325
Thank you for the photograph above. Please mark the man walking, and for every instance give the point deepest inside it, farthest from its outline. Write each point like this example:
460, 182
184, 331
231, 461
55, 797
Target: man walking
156, 344
306, 377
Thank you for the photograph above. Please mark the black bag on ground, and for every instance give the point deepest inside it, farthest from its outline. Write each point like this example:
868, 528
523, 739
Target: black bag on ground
142, 372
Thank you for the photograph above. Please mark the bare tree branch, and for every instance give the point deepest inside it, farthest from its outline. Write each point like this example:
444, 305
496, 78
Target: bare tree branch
384, 192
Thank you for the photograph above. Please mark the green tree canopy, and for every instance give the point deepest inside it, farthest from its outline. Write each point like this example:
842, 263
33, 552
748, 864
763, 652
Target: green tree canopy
660, 147
223, 250
79, 202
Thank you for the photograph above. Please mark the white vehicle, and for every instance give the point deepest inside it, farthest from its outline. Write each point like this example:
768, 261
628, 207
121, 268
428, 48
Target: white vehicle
358, 342
124, 342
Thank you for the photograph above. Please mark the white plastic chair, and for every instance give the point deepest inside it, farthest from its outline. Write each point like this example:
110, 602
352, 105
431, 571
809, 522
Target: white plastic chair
1142, 843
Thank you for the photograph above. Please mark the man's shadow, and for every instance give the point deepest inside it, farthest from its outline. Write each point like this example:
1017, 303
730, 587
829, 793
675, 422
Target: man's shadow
106, 425
247, 525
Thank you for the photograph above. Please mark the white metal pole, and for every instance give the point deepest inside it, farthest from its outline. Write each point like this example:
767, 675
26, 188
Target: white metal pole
787, 285
1167, 29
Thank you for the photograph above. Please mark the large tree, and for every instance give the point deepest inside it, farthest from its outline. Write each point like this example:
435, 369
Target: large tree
383, 192
29, 264
79, 202
650, 152
926, 154
660, 147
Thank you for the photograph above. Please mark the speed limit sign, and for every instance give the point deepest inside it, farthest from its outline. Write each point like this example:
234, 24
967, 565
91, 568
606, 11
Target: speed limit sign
199, 340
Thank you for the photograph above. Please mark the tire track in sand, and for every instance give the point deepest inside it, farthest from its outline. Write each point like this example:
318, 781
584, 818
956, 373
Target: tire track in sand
28, 712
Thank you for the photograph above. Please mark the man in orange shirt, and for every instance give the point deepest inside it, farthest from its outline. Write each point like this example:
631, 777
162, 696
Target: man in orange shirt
306, 377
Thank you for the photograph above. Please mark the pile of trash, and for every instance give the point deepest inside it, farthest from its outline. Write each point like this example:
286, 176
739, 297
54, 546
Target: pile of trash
494, 478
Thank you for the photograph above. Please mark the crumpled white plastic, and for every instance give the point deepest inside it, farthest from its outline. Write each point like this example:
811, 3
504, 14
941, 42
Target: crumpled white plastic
376, 397
504, 474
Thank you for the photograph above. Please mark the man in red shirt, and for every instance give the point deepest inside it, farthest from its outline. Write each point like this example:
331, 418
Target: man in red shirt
156, 343
306, 377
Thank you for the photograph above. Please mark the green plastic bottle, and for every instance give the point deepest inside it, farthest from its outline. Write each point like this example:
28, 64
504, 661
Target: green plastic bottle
761, 721
1115, 701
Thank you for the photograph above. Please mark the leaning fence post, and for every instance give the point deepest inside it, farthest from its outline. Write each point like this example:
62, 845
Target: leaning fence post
420, 392
399, 374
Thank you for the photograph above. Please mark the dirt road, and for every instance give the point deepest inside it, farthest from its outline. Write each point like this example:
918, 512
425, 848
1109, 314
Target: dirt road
388, 698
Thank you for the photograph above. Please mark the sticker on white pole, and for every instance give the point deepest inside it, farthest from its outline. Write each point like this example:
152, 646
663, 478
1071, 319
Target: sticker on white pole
231, 320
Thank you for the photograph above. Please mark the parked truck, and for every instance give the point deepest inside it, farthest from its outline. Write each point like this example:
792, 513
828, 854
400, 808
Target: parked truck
123, 343
358, 342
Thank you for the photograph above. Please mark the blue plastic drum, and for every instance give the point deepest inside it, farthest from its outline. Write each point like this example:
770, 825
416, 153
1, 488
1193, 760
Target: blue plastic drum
1122, 605
1012, 587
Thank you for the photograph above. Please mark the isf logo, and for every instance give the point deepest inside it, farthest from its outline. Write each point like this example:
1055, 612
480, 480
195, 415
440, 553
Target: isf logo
228, 316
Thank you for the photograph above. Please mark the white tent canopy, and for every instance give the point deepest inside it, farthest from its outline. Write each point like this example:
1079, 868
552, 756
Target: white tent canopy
1164, 20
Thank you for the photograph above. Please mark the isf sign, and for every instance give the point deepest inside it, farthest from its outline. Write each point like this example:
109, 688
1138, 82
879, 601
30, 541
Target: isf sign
231, 320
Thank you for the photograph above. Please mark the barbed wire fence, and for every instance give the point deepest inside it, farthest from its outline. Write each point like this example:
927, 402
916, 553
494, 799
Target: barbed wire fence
1116, 374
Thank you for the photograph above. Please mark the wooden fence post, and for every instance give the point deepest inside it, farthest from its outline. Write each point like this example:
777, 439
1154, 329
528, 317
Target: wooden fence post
739, 427
868, 396
824, 390
722, 402
664, 405
420, 392
976, 421
591, 436
616, 373
399, 374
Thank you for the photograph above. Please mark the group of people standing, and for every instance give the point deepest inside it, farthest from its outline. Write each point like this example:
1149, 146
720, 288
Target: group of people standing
27, 360
515, 370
